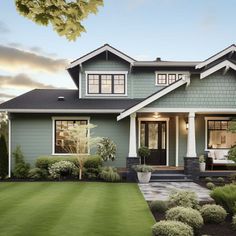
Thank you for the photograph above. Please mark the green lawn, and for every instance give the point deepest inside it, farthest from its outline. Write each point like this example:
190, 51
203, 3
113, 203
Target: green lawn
73, 208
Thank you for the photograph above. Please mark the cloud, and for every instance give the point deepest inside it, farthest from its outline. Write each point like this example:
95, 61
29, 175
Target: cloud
3, 28
13, 58
6, 95
21, 81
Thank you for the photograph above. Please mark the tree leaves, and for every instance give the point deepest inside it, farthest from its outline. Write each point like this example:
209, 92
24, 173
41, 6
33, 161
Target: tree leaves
65, 16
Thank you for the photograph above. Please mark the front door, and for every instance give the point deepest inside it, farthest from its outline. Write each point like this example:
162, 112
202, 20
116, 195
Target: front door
153, 136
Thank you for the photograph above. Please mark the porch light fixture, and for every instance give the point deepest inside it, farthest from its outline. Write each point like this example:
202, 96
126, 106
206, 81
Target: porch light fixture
186, 125
156, 115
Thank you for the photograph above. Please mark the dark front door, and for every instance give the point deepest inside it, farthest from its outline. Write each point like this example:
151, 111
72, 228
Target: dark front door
153, 136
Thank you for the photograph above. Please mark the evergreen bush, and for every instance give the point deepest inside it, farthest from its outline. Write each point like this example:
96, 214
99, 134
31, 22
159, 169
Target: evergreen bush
110, 174
159, 206
3, 157
212, 213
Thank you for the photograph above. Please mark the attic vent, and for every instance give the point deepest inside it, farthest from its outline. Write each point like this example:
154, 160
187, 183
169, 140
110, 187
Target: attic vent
158, 59
61, 98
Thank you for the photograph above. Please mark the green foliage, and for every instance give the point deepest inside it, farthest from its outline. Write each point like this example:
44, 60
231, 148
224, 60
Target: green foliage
201, 159
234, 222
208, 179
188, 216
220, 179
21, 168
171, 228
212, 213
110, 174
232, 177
210, 185
3, 157
64, 16
142, 168
63, 169
37, 173
232, 153
184, 199
144, 152
106, 149
226, 197
92, 167
159, 206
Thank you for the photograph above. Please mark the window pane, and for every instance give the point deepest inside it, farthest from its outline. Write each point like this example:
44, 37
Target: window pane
63, 144
217, 124
106, 84
93, 83
211, 124
119, 84
161, 79
142, 135
152, 135
180, 76
171, 78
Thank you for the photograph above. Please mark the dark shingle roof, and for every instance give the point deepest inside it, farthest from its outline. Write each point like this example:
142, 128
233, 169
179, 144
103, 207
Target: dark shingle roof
48, 99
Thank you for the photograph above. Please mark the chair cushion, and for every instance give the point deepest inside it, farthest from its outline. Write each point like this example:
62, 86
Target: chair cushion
223, 162
211, 154
221, 154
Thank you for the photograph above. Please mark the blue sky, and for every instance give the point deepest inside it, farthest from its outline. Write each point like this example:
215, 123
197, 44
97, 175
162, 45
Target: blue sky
144, 29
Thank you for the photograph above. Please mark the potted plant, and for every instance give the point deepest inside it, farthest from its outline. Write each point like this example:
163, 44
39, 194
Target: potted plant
202, 163
144, 173
144, 152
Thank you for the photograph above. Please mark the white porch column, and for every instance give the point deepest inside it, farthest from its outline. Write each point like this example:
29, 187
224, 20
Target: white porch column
132, 136
191, 144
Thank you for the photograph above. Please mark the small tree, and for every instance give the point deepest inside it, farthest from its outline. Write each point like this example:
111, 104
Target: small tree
106, 149
232, 151
79, 141
3, 157
144, 152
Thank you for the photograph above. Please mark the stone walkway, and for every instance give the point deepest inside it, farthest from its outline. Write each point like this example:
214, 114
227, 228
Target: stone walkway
161, 190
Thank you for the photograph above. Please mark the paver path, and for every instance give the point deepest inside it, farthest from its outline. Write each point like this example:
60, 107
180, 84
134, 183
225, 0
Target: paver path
161, 190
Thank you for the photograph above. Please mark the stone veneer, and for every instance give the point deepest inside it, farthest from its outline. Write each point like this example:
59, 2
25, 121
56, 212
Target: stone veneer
191, 167
130, 161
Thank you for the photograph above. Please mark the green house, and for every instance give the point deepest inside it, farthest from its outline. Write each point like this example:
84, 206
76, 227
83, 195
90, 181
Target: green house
178, 109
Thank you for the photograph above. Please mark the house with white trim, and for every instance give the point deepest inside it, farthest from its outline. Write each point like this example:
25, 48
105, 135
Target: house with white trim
178, 109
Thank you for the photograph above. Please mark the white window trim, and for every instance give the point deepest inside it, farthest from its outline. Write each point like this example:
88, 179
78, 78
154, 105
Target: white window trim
206, 130
167, 73
105, 73
167, 133
54, 118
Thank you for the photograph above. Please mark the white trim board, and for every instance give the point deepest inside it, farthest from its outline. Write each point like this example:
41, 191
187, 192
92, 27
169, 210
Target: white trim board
98, 51
154, 97
187, 110
167, 132
177, 141
217, 67
229, 49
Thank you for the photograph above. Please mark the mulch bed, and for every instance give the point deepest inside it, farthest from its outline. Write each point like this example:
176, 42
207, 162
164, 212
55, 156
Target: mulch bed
223, 229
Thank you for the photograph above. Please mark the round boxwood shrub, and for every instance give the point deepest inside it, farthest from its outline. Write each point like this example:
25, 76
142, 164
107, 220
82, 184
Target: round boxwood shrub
208, 179
171, 228
188, 216
220, 180
234, 222
159, 206
212, 213
210, 185
37, 173
183, 198
63, 169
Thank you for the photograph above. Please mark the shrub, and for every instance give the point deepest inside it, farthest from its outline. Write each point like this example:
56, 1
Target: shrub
106, 149
188, 216
171, 228
226, 197
210, 185
109, 174
208, 179
63, 169
220, 179
183, 198
92, 167
144, 152
21, 168
212, 213
232, 177
159, 206
3, 157
142, 168
37, 173
232, 153
234, 222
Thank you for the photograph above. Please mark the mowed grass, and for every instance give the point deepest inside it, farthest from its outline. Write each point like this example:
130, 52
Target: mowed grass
73, 208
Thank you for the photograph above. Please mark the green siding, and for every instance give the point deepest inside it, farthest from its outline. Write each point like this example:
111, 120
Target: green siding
214, 91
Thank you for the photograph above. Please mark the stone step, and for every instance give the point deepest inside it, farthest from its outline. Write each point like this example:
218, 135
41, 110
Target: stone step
168, 176
168, 171
171, 180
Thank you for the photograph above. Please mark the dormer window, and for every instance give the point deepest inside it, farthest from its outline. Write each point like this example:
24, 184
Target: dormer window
106, 83
167, 78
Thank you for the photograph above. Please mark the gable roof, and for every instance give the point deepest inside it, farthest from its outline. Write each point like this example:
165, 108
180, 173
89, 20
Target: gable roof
155, 96
46, 101
105, 47
230, 49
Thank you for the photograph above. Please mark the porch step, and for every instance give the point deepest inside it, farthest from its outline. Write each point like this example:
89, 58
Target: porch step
169, 177
171, 180
163, 171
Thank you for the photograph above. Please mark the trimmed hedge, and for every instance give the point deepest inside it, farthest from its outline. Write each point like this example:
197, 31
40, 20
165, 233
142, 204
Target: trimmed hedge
159, 206
171, 228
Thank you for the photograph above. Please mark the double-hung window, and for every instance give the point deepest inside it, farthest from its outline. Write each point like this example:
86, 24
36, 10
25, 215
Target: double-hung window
166, 78
103, 84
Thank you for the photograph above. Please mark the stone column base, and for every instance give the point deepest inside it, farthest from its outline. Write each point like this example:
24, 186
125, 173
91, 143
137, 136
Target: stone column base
191, 167
131, 174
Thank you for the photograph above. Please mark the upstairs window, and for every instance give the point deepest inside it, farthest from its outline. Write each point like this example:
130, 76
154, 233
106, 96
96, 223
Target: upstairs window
102, 84
167, 78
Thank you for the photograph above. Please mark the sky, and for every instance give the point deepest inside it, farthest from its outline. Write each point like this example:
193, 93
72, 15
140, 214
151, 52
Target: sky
33, 56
